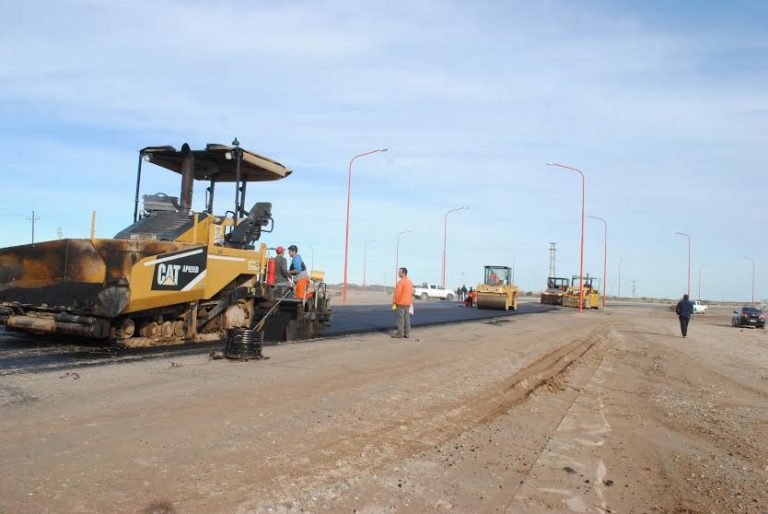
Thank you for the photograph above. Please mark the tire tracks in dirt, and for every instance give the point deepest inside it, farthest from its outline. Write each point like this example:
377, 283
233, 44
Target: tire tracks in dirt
403, 438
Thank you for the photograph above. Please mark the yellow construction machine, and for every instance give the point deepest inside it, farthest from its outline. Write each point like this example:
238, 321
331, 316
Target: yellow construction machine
173, 275
497, 290
591, 295
555, 292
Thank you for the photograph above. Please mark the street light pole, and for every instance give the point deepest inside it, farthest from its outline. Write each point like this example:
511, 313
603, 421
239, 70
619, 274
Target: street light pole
605, 254
445, 239
365, 258
701, 267
346, 237
581, 256
397, 252
753, 279
689, 259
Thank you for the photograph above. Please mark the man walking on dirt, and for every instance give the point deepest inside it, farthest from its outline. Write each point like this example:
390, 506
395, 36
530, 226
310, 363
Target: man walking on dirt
402, 301
684, 311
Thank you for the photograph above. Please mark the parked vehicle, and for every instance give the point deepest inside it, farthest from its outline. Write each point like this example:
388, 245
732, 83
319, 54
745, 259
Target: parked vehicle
748, 317
427, 291
699, 308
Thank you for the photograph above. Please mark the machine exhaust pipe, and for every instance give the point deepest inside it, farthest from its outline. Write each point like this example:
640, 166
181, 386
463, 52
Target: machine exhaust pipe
86, 327
187, 177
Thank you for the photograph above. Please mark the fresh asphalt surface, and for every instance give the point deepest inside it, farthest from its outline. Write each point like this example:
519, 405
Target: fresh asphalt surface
350, 319
22, 353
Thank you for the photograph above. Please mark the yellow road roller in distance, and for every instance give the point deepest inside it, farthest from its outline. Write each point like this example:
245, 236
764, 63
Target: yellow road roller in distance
591, 297
555, 292
497, 290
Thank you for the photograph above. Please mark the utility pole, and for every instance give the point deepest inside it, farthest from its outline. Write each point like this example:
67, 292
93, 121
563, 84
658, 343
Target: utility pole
552, 252
634, 288
59, 233
33, 219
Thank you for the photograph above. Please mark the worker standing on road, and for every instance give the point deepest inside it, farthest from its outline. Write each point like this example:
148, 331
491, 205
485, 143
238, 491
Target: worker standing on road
298, 271
402, 301
281, 267
471, 298
684, 311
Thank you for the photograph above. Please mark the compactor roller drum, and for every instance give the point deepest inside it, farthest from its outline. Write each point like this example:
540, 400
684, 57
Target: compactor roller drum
173, 275
497, 291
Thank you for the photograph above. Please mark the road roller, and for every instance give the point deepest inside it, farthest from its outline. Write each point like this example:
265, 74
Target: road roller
173, 275
497, 291
591, 296
555, 291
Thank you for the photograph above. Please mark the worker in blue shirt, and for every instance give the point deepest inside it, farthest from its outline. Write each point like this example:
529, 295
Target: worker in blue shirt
298, 270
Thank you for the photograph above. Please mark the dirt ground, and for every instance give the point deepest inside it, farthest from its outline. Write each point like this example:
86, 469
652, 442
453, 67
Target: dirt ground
608, 412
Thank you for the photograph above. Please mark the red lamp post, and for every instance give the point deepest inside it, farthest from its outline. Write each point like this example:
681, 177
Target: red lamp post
605, 254
346, 237
445, 239
581, 256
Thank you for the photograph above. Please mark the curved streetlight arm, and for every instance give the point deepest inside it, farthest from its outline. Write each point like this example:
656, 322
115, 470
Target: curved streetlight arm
577, 170
378, 150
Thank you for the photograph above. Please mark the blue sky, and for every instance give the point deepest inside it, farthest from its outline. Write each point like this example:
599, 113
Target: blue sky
665, 108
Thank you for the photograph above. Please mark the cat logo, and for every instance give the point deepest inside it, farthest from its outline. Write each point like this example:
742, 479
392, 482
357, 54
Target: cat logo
168, 274
179, 271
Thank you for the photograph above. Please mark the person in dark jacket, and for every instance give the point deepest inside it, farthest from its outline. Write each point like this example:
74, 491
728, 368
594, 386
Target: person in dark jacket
281, 271
684, 311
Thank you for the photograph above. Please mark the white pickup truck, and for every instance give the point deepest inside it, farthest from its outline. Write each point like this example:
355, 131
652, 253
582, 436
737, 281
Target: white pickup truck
427, 291
699, 308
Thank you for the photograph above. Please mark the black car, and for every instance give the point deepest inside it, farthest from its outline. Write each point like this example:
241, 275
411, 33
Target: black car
748, 317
